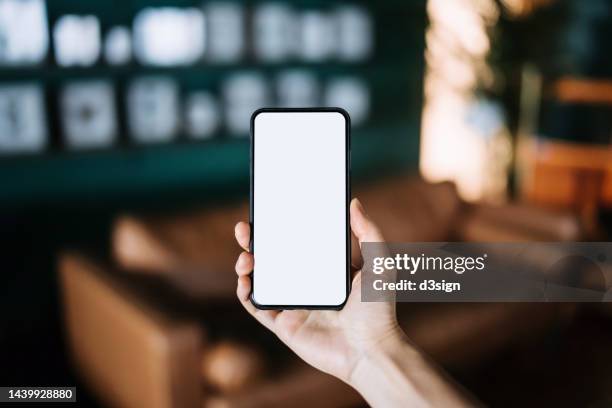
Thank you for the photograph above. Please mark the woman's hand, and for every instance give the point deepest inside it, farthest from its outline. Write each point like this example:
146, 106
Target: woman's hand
362, 344
332, 341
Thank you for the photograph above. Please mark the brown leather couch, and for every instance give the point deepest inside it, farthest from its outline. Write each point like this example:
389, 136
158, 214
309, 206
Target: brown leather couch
159, 325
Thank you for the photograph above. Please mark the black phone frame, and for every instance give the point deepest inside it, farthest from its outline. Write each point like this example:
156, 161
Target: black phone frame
347, 121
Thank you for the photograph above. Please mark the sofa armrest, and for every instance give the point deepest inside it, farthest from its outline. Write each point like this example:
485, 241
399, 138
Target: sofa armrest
194, 252
129, 354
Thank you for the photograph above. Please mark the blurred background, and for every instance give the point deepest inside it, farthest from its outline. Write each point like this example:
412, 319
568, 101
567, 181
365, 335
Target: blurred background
124, 167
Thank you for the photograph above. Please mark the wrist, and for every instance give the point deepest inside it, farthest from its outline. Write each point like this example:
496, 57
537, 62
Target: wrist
383, 353
382, 376
397, 374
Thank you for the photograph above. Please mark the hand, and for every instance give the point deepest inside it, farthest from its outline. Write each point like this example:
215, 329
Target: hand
332, 341
362, 344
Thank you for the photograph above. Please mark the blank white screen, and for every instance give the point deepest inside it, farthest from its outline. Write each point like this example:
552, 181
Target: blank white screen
299, 209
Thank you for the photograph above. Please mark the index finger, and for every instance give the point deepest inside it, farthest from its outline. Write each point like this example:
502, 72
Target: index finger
243, 234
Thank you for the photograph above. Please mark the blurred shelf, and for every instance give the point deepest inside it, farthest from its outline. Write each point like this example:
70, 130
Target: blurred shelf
218, 168
44, 73
157, 172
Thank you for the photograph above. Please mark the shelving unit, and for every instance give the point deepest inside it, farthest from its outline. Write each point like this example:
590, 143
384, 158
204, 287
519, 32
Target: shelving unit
386, 142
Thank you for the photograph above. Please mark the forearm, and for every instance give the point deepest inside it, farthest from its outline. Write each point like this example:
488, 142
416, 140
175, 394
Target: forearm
398, 375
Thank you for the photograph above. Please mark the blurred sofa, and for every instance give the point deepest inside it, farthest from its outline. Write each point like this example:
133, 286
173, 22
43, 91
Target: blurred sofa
137, 344
158, 324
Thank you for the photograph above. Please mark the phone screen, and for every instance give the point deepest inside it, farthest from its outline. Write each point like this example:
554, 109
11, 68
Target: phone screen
299, 208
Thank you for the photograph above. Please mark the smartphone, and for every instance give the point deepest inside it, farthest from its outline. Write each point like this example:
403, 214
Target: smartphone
299, 208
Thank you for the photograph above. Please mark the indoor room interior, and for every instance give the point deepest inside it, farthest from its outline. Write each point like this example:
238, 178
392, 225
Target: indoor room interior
124, 166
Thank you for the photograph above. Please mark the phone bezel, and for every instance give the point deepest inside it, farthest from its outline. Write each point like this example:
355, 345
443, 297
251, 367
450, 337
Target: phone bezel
347, 204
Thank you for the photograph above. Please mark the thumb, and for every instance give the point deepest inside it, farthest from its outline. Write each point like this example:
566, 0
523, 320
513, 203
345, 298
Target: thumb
364, 229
